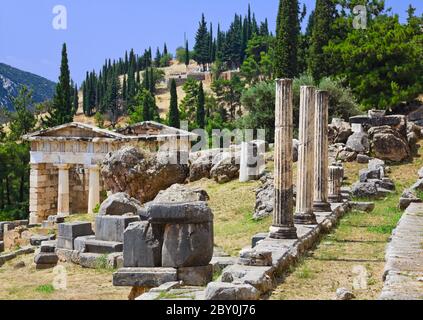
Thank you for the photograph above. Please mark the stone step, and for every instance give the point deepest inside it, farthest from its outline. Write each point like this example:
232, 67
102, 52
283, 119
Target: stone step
144, 277
102, 247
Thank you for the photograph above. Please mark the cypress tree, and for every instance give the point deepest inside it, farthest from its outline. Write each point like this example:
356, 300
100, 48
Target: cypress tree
165, 52
75, 100
157, 58
201, 47
62, 101
187, 56
174, 120
152, 86
200, 114
323, 19
287, 34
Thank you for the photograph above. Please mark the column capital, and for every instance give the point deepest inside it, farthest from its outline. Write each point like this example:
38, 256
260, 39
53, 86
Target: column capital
63, 166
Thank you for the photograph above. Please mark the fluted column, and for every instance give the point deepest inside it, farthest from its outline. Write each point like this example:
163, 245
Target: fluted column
305, 175
94, 188
283, 222
63, 190
321, 157
335, 183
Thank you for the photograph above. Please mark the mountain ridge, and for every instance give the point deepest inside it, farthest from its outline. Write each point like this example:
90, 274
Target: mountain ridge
11, 79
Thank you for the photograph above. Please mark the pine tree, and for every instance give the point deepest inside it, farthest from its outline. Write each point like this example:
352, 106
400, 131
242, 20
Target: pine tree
200, 114
287, 34
165, 52
62, 102
201, 47
323, 19
174, 120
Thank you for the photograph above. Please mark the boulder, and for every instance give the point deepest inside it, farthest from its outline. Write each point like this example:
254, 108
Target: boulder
346, 156
389, 144
202, 163
362, 158
344, 294
364, 190
226, 167
119, 204
341, 131
408, 197
140, 174
181, 193
363, 206
359, 142
264, 198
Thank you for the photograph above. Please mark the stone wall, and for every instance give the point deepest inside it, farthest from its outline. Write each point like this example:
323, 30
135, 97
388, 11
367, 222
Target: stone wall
43, 192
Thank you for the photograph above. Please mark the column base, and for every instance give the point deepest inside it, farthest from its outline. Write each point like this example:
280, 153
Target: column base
319, 206
305, 218
286, 232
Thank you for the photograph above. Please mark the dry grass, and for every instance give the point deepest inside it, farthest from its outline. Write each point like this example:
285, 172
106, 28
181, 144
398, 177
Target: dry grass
31, 284
233, 206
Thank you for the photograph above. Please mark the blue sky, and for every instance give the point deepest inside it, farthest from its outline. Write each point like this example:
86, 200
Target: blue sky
100, 29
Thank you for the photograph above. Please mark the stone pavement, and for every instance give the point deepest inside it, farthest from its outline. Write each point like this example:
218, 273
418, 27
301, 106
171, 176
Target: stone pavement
404, 258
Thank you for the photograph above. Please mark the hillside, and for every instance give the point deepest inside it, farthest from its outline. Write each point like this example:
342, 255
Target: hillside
11, 80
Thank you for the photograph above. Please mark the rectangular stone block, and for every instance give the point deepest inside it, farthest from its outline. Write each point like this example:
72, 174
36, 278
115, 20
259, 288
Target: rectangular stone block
102, 247
144, 277
1, 246
48, 246
196, 276
46, 258
68, 232
89, 260
111, 228
79, 243
142, 245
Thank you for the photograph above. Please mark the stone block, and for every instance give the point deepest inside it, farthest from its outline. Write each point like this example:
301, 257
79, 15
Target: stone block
260, 278
179, 213
363, 206
36, 240
66, 255
366, 174
142, 245
220, 263
144, 277
46, 258
1, 246
68, 232
111, 228
102, 247
89, 260
231, 291
258, 237
196, 276
48, 246
187, 245
79, 243
115, 260
44, 266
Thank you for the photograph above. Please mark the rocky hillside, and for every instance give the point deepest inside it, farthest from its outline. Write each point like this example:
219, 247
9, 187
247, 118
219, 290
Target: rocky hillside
11, 79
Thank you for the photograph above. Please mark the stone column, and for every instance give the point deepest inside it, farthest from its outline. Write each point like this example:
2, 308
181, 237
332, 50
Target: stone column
283, 222
243, 166
335, 182
63, 190
305, 175
94, 188
321, 156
